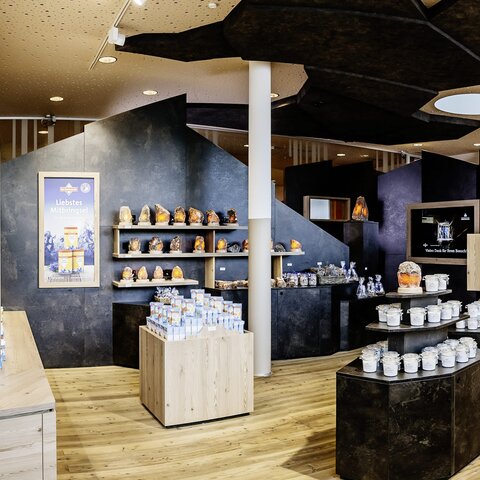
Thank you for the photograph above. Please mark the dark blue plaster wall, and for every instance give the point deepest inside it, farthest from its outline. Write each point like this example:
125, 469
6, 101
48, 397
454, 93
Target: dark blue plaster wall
144, 156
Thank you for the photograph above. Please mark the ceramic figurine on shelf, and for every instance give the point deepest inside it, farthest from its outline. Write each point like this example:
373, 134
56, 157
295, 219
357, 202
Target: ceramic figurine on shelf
177, 273
295, 246
379, 290
361, 290
245, 245
212, 218
176, 245
279, 247
125, 217
195, 217
233, 247
222, 245
280, 282
231, 218
127, 274
162, 215
155, 245
134, 246
360, 211
142, 275
144, 218
158, 273
179, 217
352, 275
199, 246
370, 287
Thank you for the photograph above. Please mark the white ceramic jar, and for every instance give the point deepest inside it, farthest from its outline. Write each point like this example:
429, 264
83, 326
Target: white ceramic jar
452, 342
447, 357
373, 348
461, 324
417, 316
446, 311
442, 280
434, 313
472, 323
461, 353
383, 345
390, 366
382, 312
394, 316
471, 346
410, 362
431, 283
456, 307
429, 360
369, 361
473, 309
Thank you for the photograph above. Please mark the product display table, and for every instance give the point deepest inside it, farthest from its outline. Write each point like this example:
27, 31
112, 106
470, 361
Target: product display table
27, 407
416, 300
206, 377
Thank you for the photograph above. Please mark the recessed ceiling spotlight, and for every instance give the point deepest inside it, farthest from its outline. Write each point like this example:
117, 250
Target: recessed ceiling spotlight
364, 155
418, 144
246, 145
341, 154
107, 59
139, 2
476, 144
274, 95
56, 99
150, 92
212, 5
462, 104
43, 132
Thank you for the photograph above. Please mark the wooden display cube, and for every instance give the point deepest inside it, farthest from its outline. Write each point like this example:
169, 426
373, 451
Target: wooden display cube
198, 379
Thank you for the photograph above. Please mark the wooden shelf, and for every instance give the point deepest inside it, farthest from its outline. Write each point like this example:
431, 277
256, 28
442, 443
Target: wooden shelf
418, 295
166, 256
184, 227
155, 283
405, 328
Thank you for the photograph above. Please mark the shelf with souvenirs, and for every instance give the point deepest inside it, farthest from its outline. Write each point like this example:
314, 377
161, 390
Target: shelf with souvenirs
208, 247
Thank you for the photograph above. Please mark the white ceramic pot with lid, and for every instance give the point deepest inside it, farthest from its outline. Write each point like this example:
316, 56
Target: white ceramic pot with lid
472, 323
369, 361
442, 280
390, 366
456, 307
431, 283
446, 311
410, 362
473, 309
447, 356
429, 360
417, 316
461, 353
382, 312
434, 313
394, 316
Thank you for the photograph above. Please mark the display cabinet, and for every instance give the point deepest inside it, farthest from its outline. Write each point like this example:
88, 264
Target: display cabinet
121, 236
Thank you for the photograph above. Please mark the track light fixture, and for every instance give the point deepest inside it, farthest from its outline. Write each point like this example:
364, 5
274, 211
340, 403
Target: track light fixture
115, 37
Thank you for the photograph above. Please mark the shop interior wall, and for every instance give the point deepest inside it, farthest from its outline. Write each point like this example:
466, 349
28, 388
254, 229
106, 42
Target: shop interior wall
144, 156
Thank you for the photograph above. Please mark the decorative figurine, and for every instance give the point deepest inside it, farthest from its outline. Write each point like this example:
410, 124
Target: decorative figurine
125, 217
177, 273
179, 217
144, 218
134, 246
199, 246
409, 276
344, 268
379, 290
312, 280
279, 247
360, 211
231, 218
233, 247
127, 274
245, 245
158, 273
370, 287
195, 217
176, 245
280, 282
352, 275
162, 215
361, 290
155, 245
222, 245
142, 275
295, 246
212, 218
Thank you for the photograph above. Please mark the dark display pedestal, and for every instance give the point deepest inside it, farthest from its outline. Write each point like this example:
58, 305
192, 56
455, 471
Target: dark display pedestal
417, 300
362, 238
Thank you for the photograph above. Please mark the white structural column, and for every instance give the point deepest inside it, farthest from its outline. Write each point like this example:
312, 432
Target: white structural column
259, 214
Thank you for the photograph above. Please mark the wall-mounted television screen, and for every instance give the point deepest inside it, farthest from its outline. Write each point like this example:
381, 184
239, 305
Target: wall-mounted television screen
437, 231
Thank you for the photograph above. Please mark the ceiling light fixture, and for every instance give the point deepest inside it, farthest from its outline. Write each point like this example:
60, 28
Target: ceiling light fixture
56, 99
107, 59
115, 37
476, 144
364, 155
246, 145
139, 2
212, 5
462, 104
150, 92
274, 95
418, 144
341, 154
43, 132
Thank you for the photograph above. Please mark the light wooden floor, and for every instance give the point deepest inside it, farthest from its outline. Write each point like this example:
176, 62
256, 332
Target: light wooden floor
103, 432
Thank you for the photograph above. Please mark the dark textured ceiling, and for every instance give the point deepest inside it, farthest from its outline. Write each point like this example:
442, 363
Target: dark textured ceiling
371, 64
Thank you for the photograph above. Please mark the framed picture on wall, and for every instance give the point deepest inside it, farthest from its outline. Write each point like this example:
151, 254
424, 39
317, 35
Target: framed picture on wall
68, 229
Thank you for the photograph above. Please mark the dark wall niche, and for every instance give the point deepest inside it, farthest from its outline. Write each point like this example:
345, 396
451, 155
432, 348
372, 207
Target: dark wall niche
146, 155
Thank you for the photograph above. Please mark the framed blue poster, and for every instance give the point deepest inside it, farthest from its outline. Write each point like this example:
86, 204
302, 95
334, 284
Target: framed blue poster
68, 238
